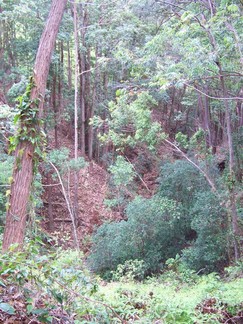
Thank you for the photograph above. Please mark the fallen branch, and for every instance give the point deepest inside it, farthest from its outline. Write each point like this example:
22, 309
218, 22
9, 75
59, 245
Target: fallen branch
68, 205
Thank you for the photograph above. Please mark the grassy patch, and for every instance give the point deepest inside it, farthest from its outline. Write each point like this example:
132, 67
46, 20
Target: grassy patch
209, 300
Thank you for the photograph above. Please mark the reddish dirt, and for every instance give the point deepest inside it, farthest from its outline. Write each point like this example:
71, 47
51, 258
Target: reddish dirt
92, 191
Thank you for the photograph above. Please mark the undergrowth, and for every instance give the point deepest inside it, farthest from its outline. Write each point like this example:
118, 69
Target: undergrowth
54, 286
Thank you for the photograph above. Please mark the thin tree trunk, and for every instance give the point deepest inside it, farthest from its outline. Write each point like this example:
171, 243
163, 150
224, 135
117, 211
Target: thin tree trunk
88, 103
69, 68
82, 66
16, 216
82, 104
92, 107
76, 177
54, 106
60, 81
50, 209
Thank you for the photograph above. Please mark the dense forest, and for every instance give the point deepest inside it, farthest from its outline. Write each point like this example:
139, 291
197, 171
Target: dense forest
121, 155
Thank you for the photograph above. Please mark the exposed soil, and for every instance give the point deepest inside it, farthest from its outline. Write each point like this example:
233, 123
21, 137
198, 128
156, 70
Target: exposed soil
92, 190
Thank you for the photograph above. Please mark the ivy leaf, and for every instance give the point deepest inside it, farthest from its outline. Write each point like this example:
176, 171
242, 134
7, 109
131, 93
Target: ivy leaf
7, 308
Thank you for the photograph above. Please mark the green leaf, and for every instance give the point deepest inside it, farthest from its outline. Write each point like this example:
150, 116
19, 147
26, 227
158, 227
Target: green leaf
29, 308
7, 308
233, 8
16, 118
58, 296
39, 311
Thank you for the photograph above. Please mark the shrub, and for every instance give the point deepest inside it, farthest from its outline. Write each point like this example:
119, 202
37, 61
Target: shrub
151, 233
184, 216
205, 218
209, 251
129, 271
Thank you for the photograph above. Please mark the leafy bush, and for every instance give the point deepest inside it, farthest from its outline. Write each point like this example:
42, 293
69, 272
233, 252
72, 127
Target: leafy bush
209, 251
181, 181
121, 184
183, 217
235, 271
205, 218
47, 281
129, 271
151, 233
17, 89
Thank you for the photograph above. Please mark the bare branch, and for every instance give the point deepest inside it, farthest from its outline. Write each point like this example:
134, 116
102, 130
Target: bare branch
68, 204
210, 181
212, 97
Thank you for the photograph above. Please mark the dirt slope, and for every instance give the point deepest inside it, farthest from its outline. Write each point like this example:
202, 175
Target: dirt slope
92, 190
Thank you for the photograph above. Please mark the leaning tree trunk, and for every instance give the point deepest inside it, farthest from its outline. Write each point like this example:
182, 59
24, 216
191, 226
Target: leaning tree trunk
23, 168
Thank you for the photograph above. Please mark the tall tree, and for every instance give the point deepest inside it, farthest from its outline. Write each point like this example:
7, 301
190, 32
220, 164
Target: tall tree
24, 155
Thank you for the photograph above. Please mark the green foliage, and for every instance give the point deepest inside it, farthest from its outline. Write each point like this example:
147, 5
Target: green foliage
58, 276
122, 172
168, 298
129, 271
151, 233
238, 145
60, 158
235, 271
181, 181
131, 121
17, 89
182, 140
209, 251
30, 126
121, 184
55, 285
184, 211
204, 214
6, 165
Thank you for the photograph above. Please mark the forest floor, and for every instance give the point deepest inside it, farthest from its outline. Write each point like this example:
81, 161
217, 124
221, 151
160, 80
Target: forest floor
58, 289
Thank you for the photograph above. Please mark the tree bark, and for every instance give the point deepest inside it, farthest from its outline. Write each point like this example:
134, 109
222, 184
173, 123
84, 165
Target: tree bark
23, 168
76, 176
92, 108
50, 209
69, 68
54, 106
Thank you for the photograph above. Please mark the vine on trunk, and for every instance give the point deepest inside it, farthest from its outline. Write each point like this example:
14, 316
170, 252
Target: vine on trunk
30, 128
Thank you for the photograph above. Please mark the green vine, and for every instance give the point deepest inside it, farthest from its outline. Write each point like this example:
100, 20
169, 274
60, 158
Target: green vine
30, 127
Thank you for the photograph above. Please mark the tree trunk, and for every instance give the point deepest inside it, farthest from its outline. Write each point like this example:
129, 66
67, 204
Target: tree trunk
92, 108
81, 57
82, 103
54, 106
76, 177
69, 68
50, 209
60, 81
88, 104
23, 168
